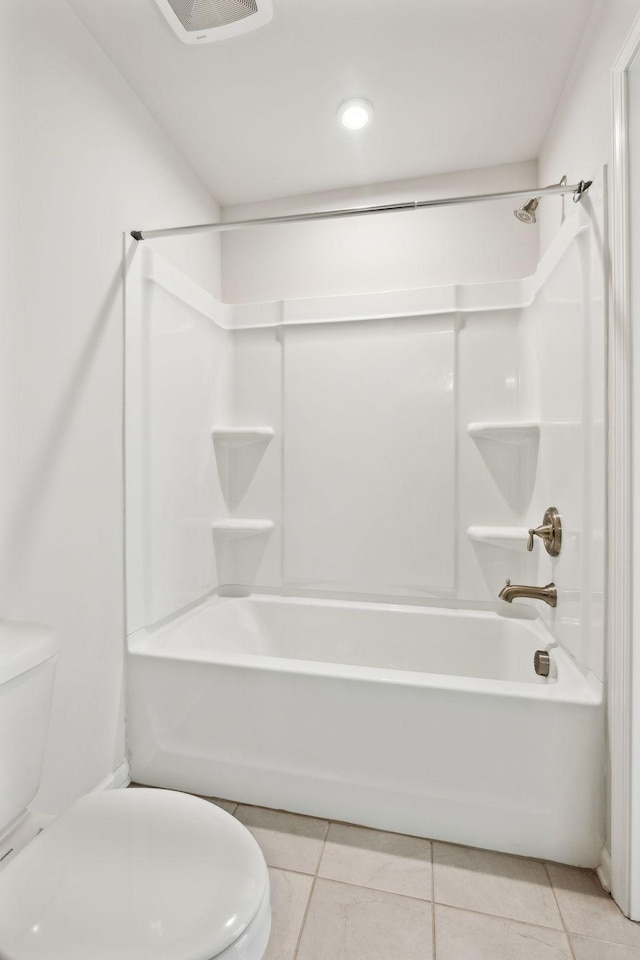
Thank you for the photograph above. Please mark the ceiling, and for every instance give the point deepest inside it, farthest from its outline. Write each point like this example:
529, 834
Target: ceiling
455, 84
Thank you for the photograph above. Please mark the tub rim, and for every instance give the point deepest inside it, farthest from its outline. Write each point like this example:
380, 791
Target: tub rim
575, 684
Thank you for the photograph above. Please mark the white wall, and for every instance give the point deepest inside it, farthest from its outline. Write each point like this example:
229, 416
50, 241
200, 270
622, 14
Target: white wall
87, 162
580, 138
627, 849
465, 244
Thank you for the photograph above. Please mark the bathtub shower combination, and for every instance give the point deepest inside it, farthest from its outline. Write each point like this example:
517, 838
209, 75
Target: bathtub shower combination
324, 500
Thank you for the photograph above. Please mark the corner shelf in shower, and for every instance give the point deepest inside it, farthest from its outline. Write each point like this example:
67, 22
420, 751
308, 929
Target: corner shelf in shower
239, 529
516, 432
233, 437
508, 538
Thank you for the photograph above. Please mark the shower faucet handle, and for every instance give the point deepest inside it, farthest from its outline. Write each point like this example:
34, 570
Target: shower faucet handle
550, 532
544, 532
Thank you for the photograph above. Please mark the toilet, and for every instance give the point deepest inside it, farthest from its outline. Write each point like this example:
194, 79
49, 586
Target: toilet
139, 874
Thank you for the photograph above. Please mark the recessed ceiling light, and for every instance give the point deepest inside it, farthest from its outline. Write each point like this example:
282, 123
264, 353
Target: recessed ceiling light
355, 114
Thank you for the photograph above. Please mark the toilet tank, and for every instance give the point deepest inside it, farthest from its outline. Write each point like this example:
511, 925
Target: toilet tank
27, 664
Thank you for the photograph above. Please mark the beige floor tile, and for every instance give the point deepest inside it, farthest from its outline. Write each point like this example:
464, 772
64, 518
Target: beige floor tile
383, 861
494, 883
345, 922
229, 805
288, 841
585, 949
289, 896
588, 910
475, 936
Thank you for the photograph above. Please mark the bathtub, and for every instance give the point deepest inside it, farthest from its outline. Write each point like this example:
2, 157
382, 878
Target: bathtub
420, 720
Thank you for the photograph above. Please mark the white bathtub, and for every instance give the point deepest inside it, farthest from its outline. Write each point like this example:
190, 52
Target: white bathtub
420, 720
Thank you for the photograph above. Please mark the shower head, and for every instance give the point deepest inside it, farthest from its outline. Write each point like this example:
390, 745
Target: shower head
527, 212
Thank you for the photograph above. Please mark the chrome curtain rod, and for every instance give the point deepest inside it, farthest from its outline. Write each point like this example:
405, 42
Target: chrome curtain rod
577, 189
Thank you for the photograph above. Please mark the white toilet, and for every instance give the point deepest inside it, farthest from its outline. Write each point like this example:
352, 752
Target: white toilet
123, 874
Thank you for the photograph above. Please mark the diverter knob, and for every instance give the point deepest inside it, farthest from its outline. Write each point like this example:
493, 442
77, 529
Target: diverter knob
550, 532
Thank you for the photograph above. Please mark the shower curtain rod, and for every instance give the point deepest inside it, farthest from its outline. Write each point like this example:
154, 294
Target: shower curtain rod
577, 189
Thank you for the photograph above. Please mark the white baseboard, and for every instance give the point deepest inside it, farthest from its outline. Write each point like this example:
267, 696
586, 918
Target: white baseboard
604, 869
115, 781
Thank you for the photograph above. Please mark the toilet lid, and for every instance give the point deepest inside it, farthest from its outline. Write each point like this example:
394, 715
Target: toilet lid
132, 875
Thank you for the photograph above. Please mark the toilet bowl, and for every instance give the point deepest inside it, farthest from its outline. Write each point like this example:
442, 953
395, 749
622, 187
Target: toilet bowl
123, 874
137, 875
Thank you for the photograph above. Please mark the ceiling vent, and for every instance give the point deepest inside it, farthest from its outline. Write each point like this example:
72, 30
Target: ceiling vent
201, 21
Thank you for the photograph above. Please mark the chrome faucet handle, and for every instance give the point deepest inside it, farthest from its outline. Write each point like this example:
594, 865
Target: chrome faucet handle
550, 532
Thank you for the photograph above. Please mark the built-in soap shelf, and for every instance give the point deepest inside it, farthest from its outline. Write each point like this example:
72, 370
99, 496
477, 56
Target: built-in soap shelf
508, 538
239, 529
516, 432
233, 437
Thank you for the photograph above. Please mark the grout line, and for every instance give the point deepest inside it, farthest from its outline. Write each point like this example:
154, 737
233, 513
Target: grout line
299, 873
613, 943
433, 903
500, 916
363, 886
304, 918
557, 903
324, 843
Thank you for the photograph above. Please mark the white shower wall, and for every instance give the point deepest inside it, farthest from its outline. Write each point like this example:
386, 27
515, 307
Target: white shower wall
372, 482
181, 383
369, 456
563, 376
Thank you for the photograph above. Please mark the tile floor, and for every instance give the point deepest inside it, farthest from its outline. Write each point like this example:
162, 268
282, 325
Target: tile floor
341, 892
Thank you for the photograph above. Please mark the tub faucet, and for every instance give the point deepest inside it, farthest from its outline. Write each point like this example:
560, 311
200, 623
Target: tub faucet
549, 593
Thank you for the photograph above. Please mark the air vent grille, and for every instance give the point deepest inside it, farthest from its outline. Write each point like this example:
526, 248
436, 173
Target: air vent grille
197, 15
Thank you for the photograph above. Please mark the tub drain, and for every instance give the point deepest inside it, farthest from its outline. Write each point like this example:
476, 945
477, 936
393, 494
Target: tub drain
541, 663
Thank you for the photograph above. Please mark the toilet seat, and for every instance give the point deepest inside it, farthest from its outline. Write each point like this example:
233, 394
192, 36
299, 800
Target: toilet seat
137, 875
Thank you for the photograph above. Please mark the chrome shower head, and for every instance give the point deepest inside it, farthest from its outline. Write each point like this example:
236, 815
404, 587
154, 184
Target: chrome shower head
527, 212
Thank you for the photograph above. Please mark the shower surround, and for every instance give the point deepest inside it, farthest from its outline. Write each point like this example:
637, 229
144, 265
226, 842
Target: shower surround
324, 498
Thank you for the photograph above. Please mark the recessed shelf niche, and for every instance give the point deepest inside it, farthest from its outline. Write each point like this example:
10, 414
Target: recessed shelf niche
233, 437
239, 546
240, 529
505, 431
509, 449
239, 452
